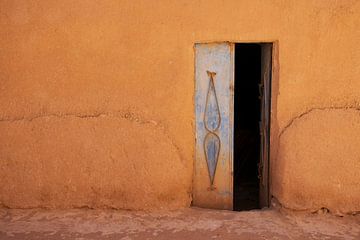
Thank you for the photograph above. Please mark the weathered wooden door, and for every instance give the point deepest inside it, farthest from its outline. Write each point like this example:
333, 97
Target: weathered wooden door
214, 100
265, 89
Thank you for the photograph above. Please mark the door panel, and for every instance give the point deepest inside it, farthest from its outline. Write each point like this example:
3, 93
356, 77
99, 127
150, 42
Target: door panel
266, 53
213, 168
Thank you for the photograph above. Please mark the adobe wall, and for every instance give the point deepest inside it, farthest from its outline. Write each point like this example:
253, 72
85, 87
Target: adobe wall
97, 99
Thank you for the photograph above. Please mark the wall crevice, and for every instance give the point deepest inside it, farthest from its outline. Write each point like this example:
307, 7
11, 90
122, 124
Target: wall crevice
125, 114
117, 114
294, 119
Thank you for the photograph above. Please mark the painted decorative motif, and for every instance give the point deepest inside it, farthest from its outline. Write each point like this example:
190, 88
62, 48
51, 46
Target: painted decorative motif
212, 121
212, 149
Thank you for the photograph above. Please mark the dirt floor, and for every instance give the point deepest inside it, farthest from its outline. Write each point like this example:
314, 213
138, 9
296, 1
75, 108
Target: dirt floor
190, 223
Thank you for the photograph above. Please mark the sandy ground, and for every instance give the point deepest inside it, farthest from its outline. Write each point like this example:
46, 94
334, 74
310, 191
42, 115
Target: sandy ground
190, 223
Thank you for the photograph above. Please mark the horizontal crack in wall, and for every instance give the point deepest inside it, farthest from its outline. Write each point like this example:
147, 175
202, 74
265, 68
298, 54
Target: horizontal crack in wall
128, 115
291, 122
120, 114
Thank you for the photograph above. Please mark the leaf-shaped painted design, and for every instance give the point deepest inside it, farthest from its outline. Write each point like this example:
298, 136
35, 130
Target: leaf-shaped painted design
212, 112
212, 149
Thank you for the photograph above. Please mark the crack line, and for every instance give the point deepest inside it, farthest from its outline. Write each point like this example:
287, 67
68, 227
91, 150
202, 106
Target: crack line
122, 114
309, 111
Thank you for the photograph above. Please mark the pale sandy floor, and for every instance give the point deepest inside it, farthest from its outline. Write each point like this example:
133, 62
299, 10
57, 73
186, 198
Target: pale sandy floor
182, 224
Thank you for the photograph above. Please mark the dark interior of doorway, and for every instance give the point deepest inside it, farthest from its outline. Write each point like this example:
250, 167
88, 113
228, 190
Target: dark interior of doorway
247, 117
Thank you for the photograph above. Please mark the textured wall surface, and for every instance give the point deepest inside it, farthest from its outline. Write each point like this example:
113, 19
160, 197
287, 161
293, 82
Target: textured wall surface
319, 161
96, 99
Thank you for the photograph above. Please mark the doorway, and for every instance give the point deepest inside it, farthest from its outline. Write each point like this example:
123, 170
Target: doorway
232, 125
251, 125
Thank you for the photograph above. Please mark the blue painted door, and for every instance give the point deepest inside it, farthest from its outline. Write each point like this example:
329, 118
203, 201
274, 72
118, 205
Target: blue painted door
214, 100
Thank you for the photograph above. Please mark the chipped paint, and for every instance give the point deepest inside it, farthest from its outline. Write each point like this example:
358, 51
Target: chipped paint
213, 104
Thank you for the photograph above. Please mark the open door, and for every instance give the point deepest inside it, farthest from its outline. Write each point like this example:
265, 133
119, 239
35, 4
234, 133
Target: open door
213, 168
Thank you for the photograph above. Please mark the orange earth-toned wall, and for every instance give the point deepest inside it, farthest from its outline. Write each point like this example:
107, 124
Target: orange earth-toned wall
96, 99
